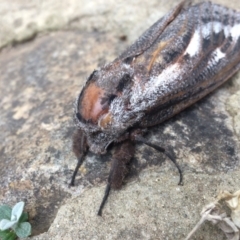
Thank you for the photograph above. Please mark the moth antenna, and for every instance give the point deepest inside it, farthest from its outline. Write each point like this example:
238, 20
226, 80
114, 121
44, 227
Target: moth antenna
107, 190
163, 150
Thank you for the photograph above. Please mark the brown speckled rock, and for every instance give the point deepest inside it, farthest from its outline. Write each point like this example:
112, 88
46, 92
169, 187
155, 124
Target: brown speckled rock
38, 83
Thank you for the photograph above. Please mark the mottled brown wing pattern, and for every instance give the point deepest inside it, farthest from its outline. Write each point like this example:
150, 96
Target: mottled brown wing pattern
195, 54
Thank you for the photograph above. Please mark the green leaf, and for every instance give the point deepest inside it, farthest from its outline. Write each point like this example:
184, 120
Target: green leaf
7, 235
6, 224
3, 233
24, 217
17, 211
23, 229
5, 212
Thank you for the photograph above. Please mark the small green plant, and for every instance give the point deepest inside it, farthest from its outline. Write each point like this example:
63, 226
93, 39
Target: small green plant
13, 222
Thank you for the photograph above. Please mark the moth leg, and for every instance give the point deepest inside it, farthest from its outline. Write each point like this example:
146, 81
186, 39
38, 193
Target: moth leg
163, 150
122, 155
105, 197
80, 149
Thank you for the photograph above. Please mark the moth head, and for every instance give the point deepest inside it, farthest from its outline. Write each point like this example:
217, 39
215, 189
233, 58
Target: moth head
95, 104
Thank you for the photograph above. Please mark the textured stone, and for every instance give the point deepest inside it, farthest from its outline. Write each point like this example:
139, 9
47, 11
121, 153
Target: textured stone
22, 20
38, 83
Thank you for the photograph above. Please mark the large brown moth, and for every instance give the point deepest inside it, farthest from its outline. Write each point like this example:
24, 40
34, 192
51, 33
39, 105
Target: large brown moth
180, 59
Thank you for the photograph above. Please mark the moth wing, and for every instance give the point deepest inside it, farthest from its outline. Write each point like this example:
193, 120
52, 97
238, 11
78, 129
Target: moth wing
152, 34
210, 58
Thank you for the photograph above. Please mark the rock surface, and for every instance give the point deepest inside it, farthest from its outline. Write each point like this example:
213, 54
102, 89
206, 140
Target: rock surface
38, 83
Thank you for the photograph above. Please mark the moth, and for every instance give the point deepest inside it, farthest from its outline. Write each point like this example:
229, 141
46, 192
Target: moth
180, 59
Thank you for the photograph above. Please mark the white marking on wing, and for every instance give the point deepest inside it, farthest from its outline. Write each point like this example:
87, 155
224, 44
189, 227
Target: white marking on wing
171, 73
157, 86
206, 30
235, 32
194, 46
163, 83
217, 55
226, 31
217, 27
